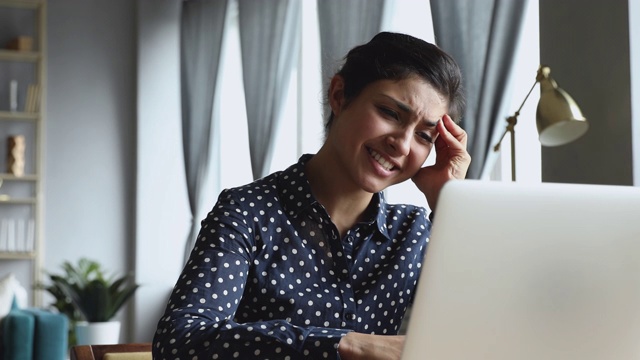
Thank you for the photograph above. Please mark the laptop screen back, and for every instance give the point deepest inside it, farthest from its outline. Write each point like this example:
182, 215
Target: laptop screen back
530, 271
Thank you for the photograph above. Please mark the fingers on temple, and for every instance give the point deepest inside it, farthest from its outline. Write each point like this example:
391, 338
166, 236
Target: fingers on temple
452, 133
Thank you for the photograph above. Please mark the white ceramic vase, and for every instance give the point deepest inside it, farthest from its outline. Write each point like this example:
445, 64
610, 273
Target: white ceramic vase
98, 333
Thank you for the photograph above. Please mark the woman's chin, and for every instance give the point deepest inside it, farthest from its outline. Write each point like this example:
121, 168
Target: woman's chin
376, 186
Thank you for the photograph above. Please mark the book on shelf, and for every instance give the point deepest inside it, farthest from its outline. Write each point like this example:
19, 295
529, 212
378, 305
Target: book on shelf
30, 239
32, 102
4, 240
11, 236
17, 235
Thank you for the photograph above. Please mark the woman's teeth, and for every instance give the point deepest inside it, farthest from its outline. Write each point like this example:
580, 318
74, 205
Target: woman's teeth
385, 164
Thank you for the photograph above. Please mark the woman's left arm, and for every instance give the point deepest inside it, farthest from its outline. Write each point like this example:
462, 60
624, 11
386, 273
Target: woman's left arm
452, 161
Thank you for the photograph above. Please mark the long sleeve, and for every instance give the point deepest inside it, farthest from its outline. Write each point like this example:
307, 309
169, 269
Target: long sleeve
199, 319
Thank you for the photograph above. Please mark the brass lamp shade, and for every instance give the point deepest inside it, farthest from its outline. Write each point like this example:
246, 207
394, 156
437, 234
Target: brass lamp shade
558, 118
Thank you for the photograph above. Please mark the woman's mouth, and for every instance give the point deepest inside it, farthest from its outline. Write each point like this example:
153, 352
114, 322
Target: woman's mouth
381, 160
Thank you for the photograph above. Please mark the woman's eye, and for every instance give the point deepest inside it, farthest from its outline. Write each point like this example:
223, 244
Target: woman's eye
388, 112
426, 137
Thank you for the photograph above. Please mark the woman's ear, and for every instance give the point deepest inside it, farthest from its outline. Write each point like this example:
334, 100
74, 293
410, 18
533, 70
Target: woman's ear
336, 94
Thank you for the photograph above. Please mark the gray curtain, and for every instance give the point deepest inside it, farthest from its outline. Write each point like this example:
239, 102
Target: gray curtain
202, 27
343, 25
482, 35
269, 40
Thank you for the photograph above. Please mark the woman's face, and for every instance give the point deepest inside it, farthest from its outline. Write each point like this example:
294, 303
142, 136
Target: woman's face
384, 135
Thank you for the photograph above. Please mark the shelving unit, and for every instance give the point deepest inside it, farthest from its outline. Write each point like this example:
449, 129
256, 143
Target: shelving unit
21, 195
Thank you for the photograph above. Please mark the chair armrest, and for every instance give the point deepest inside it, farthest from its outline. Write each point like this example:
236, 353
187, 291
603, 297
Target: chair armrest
128, 356
18, 334
51, 335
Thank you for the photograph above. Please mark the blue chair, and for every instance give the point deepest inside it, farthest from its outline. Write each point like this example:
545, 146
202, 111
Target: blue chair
34, 334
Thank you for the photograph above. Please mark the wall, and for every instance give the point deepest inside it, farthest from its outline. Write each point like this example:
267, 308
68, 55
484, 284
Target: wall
90, 133
108, 194
586, 44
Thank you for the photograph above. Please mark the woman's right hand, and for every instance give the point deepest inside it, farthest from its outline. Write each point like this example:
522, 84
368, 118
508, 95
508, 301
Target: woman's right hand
452, 161
371, 347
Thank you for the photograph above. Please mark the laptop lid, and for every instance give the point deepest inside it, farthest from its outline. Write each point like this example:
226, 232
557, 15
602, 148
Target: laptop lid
530, 271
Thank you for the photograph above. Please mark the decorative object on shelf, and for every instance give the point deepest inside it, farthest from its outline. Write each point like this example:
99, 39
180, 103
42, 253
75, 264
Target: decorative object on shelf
558, 117
13, 95
20, 43
15, 155
90, 299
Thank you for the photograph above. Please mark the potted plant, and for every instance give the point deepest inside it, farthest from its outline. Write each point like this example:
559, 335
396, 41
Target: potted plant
91, 299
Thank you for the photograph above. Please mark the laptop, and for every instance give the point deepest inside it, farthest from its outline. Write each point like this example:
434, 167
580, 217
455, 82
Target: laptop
519, 271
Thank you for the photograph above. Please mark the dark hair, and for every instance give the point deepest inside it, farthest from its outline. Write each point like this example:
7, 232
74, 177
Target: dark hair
397, 56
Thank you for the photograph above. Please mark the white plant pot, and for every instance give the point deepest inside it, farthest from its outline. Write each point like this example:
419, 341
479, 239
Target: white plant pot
98, 333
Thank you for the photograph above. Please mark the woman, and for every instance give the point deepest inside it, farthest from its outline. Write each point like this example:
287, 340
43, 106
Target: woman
311, 262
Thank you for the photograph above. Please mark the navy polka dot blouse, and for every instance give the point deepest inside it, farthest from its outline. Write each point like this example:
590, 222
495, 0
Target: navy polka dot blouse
270, 277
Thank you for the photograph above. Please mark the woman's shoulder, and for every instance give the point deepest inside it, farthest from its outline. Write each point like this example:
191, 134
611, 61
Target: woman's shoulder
256, 188
270, 185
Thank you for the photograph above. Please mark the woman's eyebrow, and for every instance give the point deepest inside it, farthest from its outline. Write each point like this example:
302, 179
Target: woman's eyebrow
406, 108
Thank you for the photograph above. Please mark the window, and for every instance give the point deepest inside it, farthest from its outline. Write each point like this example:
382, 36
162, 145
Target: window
528, 151
301, 129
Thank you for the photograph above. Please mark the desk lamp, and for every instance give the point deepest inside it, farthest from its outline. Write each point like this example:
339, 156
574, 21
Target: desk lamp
558, 117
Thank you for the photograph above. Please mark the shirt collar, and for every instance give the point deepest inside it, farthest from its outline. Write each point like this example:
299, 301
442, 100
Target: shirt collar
376, 214
294, 189
296, 196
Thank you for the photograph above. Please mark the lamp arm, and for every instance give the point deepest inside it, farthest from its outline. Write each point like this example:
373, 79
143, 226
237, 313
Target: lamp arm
526, 97
511, 124
513, 120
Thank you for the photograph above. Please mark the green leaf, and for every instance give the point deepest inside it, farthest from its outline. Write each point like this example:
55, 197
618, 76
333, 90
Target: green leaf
85, 292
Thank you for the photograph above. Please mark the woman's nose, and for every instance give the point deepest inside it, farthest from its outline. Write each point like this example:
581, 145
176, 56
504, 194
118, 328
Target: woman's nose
400, 142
